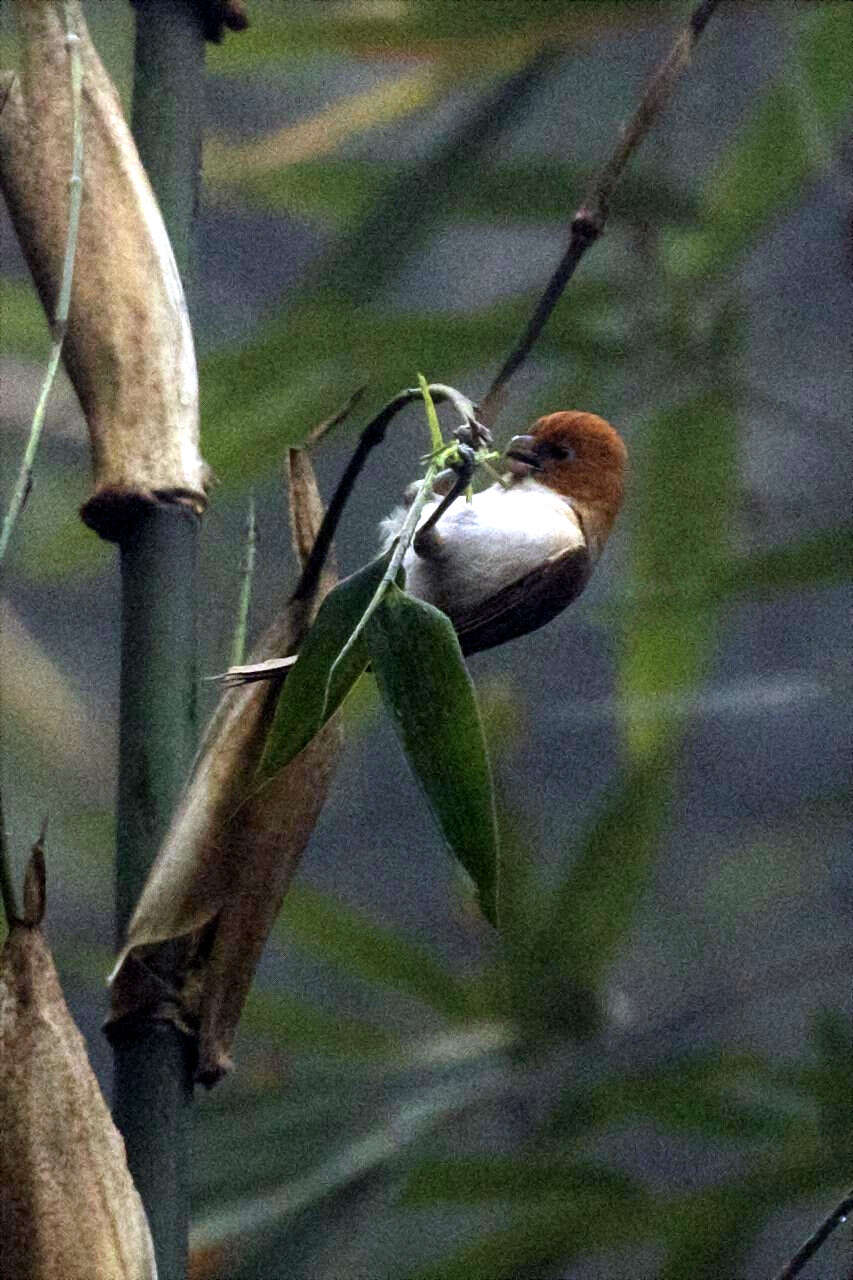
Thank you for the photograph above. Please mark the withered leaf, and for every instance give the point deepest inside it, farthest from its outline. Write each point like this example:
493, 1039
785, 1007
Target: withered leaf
68, 1206
128, 346
232, 847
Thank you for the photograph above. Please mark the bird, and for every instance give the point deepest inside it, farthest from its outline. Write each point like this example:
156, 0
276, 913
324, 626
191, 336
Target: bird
511, 559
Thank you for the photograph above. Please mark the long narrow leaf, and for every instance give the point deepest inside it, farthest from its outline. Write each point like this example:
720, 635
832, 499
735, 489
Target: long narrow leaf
338, 933
300, 712
425, 684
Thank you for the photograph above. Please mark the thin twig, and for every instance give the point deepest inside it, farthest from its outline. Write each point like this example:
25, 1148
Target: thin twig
75, 184
404, 537
238, 646
588, 223
839, 1215
7, 884
372, 435
459, 486
316, 434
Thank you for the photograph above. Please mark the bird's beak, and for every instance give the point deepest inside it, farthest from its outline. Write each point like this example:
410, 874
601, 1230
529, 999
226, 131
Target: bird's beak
521, 456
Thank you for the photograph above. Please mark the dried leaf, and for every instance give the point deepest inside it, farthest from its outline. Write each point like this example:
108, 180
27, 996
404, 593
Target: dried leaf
266, 845
128, 346
232, 848
68, 1206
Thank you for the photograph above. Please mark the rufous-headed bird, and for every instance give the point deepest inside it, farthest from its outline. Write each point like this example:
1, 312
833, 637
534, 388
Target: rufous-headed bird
512, 559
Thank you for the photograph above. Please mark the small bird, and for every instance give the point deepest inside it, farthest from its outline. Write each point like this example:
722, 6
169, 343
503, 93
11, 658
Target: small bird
512, 559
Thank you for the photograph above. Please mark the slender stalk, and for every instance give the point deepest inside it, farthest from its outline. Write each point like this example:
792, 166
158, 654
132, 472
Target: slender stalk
809, 1248
437, 463
24, 481
168, 107
154, 1061
588, 223
372, 435
7, 884
238, 645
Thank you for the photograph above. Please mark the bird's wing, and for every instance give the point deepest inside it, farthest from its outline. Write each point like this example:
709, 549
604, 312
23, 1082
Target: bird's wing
526, 604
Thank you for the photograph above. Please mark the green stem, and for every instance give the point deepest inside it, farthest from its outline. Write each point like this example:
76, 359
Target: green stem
23, 484
437, 463
168, 108
238, 646
404, 537
7, 884
154, 1061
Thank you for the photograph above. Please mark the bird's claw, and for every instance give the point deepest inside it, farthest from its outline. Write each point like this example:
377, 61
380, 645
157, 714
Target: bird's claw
465, 463
474, 434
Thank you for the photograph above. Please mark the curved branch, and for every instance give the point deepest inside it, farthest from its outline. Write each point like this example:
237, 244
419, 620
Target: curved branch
372, 435
588, 223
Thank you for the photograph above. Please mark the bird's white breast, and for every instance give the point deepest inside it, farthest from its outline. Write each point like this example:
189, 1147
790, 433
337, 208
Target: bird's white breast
482, 546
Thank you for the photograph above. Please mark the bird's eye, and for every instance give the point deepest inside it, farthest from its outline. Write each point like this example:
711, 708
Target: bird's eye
560, 452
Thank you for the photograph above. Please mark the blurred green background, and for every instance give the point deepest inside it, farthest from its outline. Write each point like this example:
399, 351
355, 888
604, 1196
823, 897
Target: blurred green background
387, 186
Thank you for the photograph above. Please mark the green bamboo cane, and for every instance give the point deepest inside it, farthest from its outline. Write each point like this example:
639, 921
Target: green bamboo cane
153, 1066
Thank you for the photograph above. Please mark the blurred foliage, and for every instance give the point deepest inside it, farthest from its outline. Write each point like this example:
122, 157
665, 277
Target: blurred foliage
286, 1142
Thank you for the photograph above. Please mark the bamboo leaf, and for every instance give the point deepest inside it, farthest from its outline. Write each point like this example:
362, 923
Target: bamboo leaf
545, 1237
286, 1019
711, 1233
818, 559
688, 454
304, 708
25, 329
786, 143
479, 32
372, 951
720, 1095
426, 687
593, 906
341, 189
826, 61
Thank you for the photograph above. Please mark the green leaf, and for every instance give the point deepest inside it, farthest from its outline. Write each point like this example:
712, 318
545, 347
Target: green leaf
540, 1238
293, 1022
474, 31
826, 61
25, 328
721, 1096
359, 946
425, 685
341, 189
821, 559
763, 170
787, 142
303, 707
711, 1233
592, 908
682, 510
298, 366
831, 1079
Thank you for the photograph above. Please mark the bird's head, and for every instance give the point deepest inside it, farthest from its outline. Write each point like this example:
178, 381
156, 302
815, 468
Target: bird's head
579, 456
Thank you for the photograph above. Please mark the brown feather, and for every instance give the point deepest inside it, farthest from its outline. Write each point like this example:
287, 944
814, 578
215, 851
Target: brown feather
527, 604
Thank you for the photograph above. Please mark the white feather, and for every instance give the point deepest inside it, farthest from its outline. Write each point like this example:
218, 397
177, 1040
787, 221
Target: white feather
482, 546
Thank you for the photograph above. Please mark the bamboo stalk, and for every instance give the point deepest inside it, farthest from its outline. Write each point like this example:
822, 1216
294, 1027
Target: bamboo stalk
154, 1060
